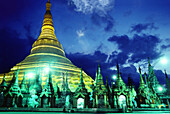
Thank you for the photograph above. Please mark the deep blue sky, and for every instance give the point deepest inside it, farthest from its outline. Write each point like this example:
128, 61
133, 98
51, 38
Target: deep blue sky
92, 32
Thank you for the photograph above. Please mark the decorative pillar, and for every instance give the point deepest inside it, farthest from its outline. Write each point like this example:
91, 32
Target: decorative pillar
105, 101
115, 102
96, 101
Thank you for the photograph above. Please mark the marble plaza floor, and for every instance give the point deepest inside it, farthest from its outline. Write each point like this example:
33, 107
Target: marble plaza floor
82, 111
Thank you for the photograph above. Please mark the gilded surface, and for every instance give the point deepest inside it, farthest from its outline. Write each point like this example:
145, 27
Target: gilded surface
46, 51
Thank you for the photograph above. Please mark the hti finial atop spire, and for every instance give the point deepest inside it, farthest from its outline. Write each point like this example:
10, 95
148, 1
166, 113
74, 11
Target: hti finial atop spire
149, 61
48, 5
81, 77
3, 84
166, 74
141, 78
118, 73
16, 79
47, 33
99, 69
139, 70
23, 80
100, 77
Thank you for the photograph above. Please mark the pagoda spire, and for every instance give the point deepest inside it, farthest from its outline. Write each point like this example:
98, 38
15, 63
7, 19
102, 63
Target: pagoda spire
146, 79
14, 88
142, 83
37, 84
119, 81
47, 37
63, 85
23, 81
48, 15
81, 84
57, 89
49, 79
66, 84
149, 62
48, 89
13, 78
81, 78
118, 73
107, 84
100, 77
16, 79
23, 85
152, 79
141, 78
166, 75
3, 84
99, 81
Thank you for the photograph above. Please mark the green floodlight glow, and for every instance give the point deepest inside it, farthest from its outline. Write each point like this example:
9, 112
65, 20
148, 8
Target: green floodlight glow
114, 77
30, 75
160, 89
47, 69
164, 61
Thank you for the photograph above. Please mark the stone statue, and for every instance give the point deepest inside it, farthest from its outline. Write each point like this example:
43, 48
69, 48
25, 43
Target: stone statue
32, 101
115, 102
91, 95
133, 98
67, 103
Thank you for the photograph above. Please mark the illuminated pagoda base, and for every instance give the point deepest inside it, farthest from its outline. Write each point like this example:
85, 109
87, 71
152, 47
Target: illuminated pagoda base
47, 54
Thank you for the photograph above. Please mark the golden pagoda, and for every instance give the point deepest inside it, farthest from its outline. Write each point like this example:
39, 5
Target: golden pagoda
47, 54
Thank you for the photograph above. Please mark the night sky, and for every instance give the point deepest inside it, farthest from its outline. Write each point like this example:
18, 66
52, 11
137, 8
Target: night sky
92, 32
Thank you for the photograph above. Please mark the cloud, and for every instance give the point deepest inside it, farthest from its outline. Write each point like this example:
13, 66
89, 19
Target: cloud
100, 7
80, 33
89, 63
134, 52
138, 28
135, 49
165, 46
100, 20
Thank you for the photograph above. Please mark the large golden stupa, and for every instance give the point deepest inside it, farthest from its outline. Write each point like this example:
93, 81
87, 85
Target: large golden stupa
47, 54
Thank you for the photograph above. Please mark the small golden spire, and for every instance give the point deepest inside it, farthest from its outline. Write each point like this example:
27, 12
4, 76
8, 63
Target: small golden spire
48, 5
48, 1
